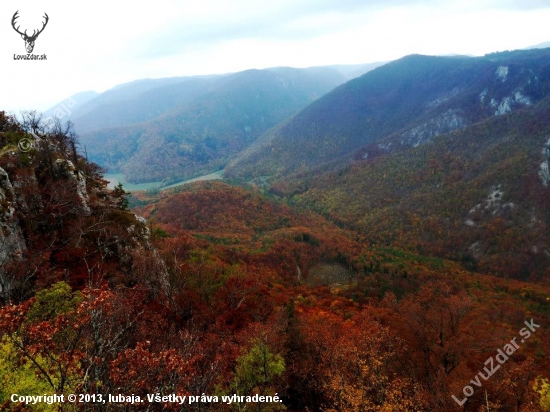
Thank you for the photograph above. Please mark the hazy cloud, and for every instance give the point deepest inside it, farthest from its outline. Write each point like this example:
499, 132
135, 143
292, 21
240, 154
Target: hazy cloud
96, 45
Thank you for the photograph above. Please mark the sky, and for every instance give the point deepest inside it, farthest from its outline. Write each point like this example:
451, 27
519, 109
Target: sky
98, 44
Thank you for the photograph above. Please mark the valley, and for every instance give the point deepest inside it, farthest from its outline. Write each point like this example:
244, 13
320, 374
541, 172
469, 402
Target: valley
115, 179
346, 238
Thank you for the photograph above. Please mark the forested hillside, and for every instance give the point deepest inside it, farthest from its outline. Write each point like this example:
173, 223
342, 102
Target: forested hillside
479, 195
174, 129
225, 291
397, 106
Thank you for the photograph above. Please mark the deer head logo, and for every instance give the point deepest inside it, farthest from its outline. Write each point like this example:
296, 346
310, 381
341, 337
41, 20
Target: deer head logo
29, 40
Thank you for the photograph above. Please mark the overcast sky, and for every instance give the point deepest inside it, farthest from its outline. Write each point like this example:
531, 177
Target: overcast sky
98, 44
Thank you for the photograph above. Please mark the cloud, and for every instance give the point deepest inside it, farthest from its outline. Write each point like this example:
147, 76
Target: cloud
283, 20
517, 4
99, 44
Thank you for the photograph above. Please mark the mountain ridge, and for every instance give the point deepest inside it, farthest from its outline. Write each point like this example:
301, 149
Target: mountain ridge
466, 196
205, 131
414, 95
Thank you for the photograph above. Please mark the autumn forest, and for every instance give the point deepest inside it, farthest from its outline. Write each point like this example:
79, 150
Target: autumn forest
383, 246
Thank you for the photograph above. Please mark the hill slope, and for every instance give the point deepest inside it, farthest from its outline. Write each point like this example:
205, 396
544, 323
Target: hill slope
138, 101
218, 298
480, 195
217, 118
58, 219
397, 106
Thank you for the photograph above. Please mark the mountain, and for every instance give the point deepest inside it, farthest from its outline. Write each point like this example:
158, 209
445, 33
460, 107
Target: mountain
479, 195
215, 118
351, 71
543, 45
235, 219
400, 105
448, 171
137, 101
66, 108
145, 99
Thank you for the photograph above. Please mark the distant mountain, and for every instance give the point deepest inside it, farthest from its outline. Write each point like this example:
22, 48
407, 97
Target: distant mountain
138, 101
544, 45
66, 108
196, 125
351, 71
146, 99
400, 105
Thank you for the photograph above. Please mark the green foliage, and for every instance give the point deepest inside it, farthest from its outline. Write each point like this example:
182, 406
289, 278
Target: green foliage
542, 386
19, 375
257, 372
52, 310
120, 196
158, 233
56, 300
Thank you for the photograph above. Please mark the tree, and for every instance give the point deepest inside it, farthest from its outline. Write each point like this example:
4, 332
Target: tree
45, 334
352, 365
516, 385
120, 196
257, 372
18, 375
437, 323
542, 386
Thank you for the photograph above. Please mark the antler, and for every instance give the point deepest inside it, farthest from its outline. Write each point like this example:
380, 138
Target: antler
34, 35
15, 16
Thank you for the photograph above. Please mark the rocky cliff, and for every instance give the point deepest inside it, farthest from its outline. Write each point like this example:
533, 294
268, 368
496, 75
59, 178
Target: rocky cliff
58, 219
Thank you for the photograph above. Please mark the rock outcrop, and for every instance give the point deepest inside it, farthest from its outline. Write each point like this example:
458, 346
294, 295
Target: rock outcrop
12, 243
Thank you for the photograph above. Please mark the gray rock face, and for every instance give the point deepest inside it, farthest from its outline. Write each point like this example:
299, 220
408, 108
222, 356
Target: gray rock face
544, 171
444, 123
509, 103
12, 243
66, 167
